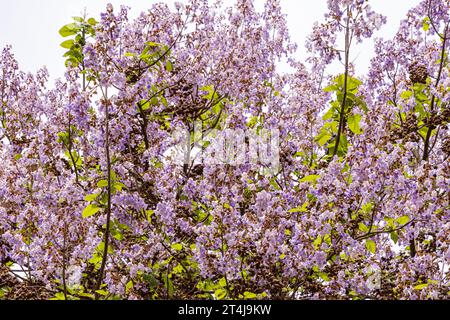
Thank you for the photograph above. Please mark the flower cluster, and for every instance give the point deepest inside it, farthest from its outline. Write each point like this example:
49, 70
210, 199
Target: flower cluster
94, 204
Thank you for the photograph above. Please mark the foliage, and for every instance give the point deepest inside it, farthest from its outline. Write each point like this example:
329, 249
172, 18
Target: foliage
93, 206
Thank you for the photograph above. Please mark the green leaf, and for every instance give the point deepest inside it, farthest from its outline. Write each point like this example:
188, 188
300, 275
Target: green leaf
331, 88
300, 209
352, 81
406, 94
67, 44
147, 48
310, 178
329, 114
150, 279
367, 207
69, 30
102, 292
371, 246
178, 269
327, 239
220, 293
145, 105
86, 295
102, 183
169, 286
151, 44
273, 182
78, 19
249, 295
95, 259
389, 221
423, 131
343, 145
74, 62
211, 94
402, 220
169, 66
129, 286
421, 286
353, 123
324, 276
177, 246
90, 210
323, 137
426, 24
317, 242
58, 296
394, 236
339, 80
154, 101
91, 197
164, 101
92, 21
363, 227
119, 186
149, 214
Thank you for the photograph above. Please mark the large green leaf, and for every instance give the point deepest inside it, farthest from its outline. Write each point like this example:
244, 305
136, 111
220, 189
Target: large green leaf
92, 21
67, 44
402, 220
102, 183
220, 293
323, 138
69, 30
353, 123
90, 210
371, 245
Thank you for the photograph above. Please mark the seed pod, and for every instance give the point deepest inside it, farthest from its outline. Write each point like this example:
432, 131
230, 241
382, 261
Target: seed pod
418, 73
446, 146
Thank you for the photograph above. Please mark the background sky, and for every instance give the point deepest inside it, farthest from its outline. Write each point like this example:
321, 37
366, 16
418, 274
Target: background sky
31, 26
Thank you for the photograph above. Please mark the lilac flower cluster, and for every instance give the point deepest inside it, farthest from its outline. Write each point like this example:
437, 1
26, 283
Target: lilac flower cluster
93, 205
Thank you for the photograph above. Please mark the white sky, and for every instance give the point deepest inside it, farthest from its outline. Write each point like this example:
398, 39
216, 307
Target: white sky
31, 26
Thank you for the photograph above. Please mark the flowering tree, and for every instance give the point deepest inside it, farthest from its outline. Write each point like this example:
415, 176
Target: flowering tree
94, 203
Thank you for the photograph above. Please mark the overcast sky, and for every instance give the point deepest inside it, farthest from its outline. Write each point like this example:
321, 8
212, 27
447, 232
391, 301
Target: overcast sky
31, 26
